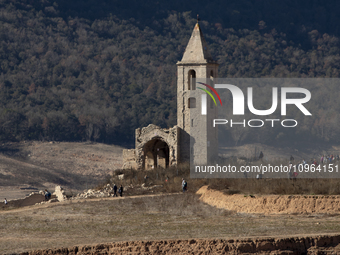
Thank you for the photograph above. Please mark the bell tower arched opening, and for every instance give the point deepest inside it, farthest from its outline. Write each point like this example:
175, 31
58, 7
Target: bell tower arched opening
191, 80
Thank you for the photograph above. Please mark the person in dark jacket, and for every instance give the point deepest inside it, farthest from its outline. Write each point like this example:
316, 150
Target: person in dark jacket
261, 155
120, 191
47, 195
115, 190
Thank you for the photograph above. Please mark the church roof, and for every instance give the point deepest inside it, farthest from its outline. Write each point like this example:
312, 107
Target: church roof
197, 48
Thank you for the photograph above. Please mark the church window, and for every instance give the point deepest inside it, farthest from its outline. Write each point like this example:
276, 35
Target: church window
192, 80
192, 102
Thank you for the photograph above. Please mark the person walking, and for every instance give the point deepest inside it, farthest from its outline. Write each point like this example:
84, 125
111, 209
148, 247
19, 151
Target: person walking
5, 201
120, 191
290, 171
184, 185
261, 155
115, 190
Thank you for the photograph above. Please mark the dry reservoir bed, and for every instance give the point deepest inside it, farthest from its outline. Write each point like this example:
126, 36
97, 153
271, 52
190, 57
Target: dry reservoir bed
157, 217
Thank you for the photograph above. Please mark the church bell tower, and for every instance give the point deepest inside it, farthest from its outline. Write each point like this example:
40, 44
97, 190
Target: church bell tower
198, 140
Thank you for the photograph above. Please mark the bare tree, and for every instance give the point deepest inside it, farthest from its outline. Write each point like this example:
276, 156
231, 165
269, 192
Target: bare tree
96, 133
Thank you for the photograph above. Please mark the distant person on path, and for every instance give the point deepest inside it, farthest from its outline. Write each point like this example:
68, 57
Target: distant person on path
5, 201
47, 194
291, 158
325, 160
261, 155
290, 172
115, 190
146, 178
184, 185
295, 174
120, 191
315, 163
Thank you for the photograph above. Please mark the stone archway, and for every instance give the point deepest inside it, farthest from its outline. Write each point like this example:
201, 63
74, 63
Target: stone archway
155, 147
156, 154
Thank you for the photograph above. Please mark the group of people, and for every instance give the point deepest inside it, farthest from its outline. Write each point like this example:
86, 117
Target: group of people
120, 190
329, 159
325, 159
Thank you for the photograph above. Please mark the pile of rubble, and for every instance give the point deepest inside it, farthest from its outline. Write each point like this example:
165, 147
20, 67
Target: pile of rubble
107, 191
59, 195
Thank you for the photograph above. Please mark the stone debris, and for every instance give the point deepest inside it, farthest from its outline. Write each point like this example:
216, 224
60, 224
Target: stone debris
150, 186
52, 200
60, 193
107, 191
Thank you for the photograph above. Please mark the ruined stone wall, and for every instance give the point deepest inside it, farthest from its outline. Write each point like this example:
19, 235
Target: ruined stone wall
143, 136
169, 136
129, 159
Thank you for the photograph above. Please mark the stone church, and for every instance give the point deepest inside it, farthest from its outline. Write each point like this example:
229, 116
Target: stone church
193, 139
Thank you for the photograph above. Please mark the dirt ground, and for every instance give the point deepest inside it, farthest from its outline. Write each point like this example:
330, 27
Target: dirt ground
209, 222
293, 245
154, 224
27, 201
30, 166
271, 204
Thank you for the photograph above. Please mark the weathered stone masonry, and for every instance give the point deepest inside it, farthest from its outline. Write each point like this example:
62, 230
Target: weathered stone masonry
193, 135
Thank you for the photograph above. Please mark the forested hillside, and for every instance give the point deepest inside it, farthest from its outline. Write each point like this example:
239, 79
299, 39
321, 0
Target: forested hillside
96, 70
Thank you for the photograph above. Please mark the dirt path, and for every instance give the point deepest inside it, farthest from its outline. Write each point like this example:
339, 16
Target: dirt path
262, 204
30, 203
